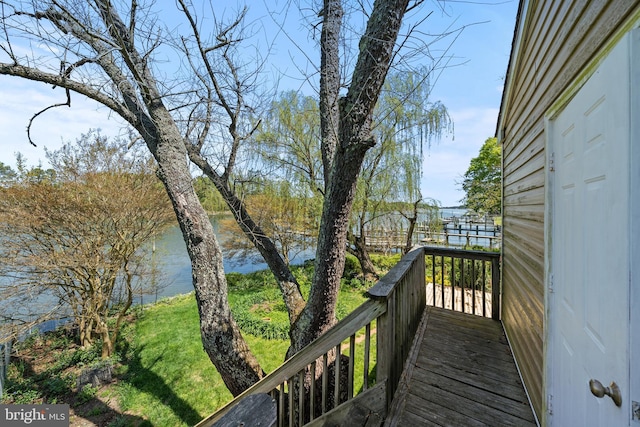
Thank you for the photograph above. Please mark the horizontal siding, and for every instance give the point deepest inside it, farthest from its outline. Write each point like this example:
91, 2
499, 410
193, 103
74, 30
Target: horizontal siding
559, 38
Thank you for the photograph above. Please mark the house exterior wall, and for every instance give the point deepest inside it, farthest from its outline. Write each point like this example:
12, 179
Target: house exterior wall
554, 42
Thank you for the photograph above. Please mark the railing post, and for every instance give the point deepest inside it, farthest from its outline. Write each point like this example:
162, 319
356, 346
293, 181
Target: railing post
384, 343
495, 288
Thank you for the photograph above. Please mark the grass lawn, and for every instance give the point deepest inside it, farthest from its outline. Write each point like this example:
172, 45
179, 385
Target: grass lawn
169, 379
162, 375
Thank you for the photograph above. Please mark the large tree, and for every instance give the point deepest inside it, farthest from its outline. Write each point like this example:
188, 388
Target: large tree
111, 52
79, 239
405, 122
114, 53
482, 181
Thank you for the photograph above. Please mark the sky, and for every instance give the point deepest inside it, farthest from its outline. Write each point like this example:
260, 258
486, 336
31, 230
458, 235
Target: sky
470, 87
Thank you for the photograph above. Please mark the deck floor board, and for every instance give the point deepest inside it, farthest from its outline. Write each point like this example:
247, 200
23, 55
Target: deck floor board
460, 373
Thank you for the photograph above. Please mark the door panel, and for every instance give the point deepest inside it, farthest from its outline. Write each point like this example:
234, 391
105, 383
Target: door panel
588, 315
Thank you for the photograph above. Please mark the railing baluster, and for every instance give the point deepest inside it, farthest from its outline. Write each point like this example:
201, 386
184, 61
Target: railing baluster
336, 386
281, 414
325, 383
462, 309
367, 348
442, 274
291, 393
301, 398
453, 283
352, 357
312, 392
473, 286
484, 288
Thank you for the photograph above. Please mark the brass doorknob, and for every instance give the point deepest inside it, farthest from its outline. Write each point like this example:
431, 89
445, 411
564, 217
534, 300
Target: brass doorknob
613, 391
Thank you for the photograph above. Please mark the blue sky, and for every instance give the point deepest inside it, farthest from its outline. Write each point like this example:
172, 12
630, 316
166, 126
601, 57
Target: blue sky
470, 88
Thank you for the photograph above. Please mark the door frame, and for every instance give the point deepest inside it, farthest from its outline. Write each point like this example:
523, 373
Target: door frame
634, 218
632, 395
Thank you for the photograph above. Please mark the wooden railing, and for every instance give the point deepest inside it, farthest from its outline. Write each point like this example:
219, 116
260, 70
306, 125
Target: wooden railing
462, 280
375, 338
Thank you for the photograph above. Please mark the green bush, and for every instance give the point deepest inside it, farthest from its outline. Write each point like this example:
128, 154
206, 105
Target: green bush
25, 397
55, 386
384, 263
87, 393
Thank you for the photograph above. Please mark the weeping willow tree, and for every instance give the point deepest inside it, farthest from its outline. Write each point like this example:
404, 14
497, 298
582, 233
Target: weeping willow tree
406, 122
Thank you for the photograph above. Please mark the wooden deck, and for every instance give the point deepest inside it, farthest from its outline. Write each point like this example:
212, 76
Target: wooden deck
460, 372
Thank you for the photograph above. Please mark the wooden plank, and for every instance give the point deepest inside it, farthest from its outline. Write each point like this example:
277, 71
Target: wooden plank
366, 409
420, 411
502, 384
467, 407
460, 372
257, 409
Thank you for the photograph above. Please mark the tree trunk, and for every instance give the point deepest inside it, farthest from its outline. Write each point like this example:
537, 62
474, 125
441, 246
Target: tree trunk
412, 225
354, 139
330, 84
287, 282
221, 336
358, 248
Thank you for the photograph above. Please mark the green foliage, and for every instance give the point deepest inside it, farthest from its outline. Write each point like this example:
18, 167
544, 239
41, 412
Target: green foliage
209, 196
7, 174
24, 396
385, 262
87, 393
482, 181
57, 385
262, 314
351, 267
257, 305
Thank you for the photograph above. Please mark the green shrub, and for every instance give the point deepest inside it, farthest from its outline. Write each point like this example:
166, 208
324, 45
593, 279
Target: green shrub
56, 386
384, 263
25, 397
87, 393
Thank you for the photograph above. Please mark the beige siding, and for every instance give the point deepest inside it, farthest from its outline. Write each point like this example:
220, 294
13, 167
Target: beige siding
557, 40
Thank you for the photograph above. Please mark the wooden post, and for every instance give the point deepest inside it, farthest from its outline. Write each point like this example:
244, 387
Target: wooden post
384, 343
495, 288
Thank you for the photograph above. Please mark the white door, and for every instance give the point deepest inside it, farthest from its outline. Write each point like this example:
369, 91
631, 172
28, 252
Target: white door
589, 244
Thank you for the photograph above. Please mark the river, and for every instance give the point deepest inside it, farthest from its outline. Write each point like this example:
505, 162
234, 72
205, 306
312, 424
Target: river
174, 265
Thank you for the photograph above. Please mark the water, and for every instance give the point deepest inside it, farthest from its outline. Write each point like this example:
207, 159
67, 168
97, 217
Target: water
174, 265
173, 270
